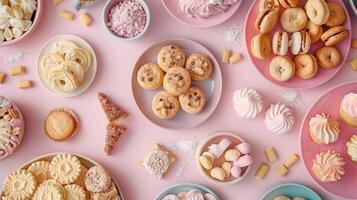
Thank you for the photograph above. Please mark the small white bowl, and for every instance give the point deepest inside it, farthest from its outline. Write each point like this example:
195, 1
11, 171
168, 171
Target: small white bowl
354, 6
105, 15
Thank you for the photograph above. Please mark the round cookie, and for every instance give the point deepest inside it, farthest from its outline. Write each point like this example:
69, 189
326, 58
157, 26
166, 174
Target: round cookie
337, 15
315, 31
97, 179
317, 11
289, 3
40, 170
63, 81
282, 68
19, 185
328, 57
60, 124
165, 105
193, 100
171, 56
334, 35
268, 4
306, 66
75, 192
65, 168
266, 20
260, 46
81, 56
199, 66
150, 76
293, 19
177, 80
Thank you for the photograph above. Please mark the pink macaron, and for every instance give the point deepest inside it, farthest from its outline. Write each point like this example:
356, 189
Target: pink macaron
244, 148
236, 172
243, 161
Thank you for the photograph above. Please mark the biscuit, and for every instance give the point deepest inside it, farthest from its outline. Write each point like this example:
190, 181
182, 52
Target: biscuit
193, 100
268, 4
235, 58
293, 19
60, 124
282, 68
171, 56
50, 61
353, 64
300, 43
63, 81
75, 69
49, 190
165, 105
86, 19
67, 15
266, 20
150, 76
225, 56
65, 168
76, 192
262, 171
289, 3
260, 46
337, 15
80, 179
315, 31
79, 55
280, 43
317, 11
97, 179
41, 171
62, 46
306, 66
18, 70
218, 173
12, 183
334, 35
2, 77
328, 57
199, 66
177, 81
111, 193
24, 84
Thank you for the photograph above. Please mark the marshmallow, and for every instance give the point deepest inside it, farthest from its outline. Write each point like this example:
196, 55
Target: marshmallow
244, 148
232, 155
243, 161
236, 172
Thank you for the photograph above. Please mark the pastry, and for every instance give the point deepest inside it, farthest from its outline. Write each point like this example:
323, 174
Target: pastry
193, 100
262, 171
317, 11
113, 133
243, 161
337, 15
306, 66
110, 194
291, 160
260, 46
266, 20
206, 160
226, 54
282, 198
81, 56
289, 3
279, 119
280, 43
63, 81
205, 9
60, 124
165, 105
177, 80
247, 102
18, 70
67, 15
49, 61
232, 155
74, 68
235, 58
315, 31
270, 153
171, 56
324, 129
282, 68
352, 148
97, 179
19, 185
158, 160
150, 76
41, 171
112, 112
328, 57
62, 46
86, 19
75, 192
300, 43
65, 168
348, 109
282, 170
293, 19
24, 84
218, 173
334, 35
268, 4
199, 66
236, 171
49, 190
328, 166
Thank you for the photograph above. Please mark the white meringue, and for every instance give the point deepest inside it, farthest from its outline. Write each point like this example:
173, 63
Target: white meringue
18, 12
279, 119
4, 22
28, 6
324, 128
8, 34
247, 102
17, 32
26, 25
6, 11
16, 23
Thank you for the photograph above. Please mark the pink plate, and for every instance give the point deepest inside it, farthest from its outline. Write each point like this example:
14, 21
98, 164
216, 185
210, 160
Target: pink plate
173, 8
329, 103
263, 65
212, 86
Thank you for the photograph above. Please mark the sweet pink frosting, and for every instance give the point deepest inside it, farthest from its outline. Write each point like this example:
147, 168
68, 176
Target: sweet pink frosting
349, 104
328, 166
205, 8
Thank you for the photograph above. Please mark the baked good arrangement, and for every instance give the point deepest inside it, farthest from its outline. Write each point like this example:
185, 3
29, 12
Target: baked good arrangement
169, 102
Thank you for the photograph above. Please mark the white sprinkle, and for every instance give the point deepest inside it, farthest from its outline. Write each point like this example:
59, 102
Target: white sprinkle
292, 97
11, 59
234, 33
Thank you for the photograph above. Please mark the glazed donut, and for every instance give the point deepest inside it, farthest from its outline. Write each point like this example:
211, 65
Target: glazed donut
81, 56
306, 66
317, 11
260, 46
293, 19
315, 31
74, 68
268, 4
282, 68
328, 57
63, 81
62, 46
337, 15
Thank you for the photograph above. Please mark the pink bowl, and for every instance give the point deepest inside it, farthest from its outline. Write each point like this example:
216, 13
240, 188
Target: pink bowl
35, 22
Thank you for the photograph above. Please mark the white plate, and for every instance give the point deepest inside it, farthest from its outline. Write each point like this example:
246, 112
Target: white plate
89, 75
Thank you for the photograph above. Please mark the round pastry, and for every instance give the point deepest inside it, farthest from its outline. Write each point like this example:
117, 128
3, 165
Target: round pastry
60, 124
111, 194
218, 173
282, 68
268, 4
62, 46
334, 35
165, 105
171, 56
65, 168
177, 81
199, 66
289, 3
19, 185
280, 43
300, 43
293, 19
260, 46
328, 57
306, 66
63, 81
81, 56
193, 100
41, 171
317, 11
352, 148
49, 190
328, 166
282, 198
150, 76
97, 179
324, 129
348, 109
75, 69
266, 20
75, 192
337, 15
315, 31
247, 102
279, 119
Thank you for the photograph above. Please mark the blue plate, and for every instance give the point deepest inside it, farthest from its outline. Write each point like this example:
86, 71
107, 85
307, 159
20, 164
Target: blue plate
183, 187
291, 190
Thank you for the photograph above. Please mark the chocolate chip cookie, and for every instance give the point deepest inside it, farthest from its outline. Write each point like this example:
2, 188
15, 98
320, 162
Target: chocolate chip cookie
199, 66
150, 76
177, 81
171, 56
193, 100
165, 105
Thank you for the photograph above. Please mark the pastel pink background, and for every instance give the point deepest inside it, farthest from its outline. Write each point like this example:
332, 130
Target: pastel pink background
115, 62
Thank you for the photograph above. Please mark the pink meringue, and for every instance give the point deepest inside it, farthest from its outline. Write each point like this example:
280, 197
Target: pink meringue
236, 171
328, 166
244, 148
243, 161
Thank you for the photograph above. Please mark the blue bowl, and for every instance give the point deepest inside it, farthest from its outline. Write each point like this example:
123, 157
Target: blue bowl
183, 187
291, 190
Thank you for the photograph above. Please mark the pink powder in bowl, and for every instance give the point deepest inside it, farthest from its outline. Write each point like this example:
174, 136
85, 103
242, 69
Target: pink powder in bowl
127, 19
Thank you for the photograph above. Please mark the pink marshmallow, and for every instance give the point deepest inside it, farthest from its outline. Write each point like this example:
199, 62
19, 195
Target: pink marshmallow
243, 161
218, 149
15, 122
6, 104
244, 148
236, 171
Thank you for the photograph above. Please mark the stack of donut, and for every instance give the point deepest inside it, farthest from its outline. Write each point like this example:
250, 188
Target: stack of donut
318, 21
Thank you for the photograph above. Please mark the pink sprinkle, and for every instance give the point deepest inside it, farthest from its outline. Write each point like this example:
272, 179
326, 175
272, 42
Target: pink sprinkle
127, 19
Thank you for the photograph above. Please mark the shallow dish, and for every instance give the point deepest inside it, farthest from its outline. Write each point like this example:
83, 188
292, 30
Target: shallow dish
308, 148
89, 76
212, 86
184, 187
291, 190
214, 139
321, 77
174, 10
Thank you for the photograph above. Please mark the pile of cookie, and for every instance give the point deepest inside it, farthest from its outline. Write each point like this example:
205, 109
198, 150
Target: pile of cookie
175, 73
65, 68
318, 21
63, 177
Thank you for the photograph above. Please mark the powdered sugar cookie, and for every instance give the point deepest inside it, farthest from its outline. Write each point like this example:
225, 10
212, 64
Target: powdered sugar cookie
97, 179
19, 185
49, 190
40, 170
171, 56
81, 56
111, 194
65, 168
75, 192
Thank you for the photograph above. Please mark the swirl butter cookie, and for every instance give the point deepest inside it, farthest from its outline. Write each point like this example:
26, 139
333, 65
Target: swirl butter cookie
75, 69
165, 105
150, 76
171, 56
193, 100
62, 46
81, 56
40, 170
63, 81
49, 61
75, 192
19, 185
199, 66
49, 190
177, 80
65, 168
97, 179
